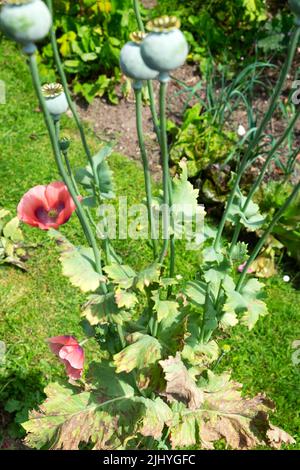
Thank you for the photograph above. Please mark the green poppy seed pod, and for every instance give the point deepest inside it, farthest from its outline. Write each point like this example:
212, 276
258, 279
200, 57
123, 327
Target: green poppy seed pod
165, 48
131, 61
295, 7
25, 21
55, 98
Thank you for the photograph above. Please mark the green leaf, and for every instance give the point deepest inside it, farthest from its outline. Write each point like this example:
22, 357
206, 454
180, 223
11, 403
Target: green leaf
247, 303
85, 177
200, 354
12, 230
144, 351
184, 193
250, 218
239, 253
157, 414
217, 275
210, 255
148, 276
105, 175
164, 308
78, 264
104, 378
122, 275
67, 419
125, 299
102, 309
196, 292
3, 213
13, 405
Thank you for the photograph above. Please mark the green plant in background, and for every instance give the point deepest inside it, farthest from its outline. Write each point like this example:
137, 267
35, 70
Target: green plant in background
13, 250
270, 198
90, 36
200, 141
224, 28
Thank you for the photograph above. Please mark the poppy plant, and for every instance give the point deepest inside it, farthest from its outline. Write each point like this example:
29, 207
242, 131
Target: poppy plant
46, 206
70, 353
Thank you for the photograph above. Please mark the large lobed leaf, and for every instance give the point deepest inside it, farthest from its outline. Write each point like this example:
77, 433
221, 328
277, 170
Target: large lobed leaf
247, 302
78, 264
221, 413
144, 351
67, 419
104, 417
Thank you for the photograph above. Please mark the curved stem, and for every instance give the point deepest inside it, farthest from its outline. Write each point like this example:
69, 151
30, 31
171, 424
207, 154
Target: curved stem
56, 151
147, 176
264, 237
285, 69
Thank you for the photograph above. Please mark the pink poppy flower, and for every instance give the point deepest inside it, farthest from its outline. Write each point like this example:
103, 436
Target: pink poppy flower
242, 266
70, 353
46, 206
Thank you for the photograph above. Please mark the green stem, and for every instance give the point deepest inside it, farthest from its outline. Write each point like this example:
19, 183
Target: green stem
121, 335
147, 176
72, 106
141, 27
264, 237
165, 165
172, 242
57, 155
108, 249
284, 71
263, 170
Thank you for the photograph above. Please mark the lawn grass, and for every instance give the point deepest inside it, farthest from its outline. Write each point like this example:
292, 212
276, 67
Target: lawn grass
42, 303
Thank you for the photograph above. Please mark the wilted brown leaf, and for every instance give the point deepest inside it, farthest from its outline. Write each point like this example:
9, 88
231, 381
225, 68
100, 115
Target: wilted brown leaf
180, 385
277, 437
221, 413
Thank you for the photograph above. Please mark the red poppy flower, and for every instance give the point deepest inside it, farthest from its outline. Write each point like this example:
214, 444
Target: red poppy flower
46, 206
70, 353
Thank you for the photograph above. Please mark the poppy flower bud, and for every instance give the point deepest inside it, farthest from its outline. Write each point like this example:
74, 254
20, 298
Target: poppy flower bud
25, 21
131, 60
64, 144
165, 48
56, 100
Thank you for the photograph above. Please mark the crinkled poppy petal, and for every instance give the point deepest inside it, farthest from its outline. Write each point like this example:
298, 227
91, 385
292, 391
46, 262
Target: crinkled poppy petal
55, 192
72, 372
64, 340
30, 203
60, 199
58, 342
74, 355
